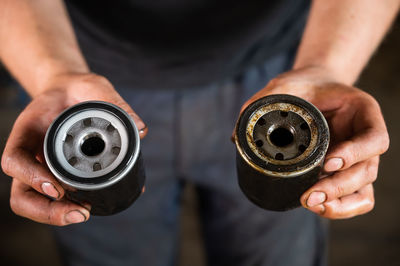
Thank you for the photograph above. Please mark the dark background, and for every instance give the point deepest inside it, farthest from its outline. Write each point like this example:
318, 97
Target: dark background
372, 239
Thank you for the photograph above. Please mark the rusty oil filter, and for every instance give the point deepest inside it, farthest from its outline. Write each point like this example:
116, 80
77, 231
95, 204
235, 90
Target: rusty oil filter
93, 149
281, 142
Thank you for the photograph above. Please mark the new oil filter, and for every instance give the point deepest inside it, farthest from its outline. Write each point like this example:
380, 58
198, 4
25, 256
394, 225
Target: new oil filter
93, 149
281, 142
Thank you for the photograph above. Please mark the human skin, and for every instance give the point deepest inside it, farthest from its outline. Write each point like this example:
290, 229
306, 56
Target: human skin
358, 137
339, 39
39, 48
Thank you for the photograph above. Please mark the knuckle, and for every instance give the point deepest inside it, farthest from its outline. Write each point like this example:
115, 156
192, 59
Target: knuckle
369, 100
54, 217
92, 78
14, 205
349, 151
30, 176
385, 142
354, 153
274, 81
338, 191
371, 171
335, 213
370, 206
369, 203
104, 81
6, 161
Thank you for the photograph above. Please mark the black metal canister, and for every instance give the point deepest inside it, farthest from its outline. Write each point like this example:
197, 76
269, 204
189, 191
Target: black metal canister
281, 142
93, 149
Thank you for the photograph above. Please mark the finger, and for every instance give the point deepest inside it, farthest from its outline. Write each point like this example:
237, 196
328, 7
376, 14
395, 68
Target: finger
138, 121
96, 87
19, 157
341, 183
370, 139
28, 203
349, 206
22, 165
143, 132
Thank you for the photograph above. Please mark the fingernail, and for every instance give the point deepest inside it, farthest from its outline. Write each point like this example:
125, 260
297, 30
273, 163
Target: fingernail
333, 164
50, 190
87, 206
143, 129
316, 198
74, 217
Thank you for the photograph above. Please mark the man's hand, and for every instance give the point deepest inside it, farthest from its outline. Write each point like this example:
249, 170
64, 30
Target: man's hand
358, 137
23, 155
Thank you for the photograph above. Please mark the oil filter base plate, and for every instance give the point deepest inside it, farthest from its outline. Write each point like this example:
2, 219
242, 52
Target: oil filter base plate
93, 149
281, 142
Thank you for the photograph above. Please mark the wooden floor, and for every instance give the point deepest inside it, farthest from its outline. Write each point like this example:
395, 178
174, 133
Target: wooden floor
373, 239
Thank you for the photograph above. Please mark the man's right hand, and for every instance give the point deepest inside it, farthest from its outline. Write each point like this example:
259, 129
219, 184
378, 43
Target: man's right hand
23, 155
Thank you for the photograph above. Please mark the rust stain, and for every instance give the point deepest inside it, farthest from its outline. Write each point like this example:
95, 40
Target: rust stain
287, 107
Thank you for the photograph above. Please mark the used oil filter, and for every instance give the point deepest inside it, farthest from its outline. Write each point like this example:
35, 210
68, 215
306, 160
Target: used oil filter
93, 149
281, 142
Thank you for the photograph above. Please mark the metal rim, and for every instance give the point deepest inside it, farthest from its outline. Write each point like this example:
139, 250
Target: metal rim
311, 157
123, 163
265, 111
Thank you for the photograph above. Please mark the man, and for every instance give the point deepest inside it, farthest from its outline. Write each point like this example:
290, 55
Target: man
186, 67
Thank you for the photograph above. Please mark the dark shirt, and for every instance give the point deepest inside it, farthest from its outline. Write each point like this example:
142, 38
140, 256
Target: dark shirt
183, 43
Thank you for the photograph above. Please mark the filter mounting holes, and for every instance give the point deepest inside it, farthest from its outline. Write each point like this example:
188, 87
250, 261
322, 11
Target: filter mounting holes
261, 121
72, 161
304, 126
259, 143
96, 166
279, 156
87, 122
302, 148
283, 113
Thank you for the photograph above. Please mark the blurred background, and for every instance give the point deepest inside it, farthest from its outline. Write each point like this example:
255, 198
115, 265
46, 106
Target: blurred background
372, 239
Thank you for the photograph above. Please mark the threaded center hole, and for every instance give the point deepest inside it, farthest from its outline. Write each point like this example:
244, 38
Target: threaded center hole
93, 145
281, 137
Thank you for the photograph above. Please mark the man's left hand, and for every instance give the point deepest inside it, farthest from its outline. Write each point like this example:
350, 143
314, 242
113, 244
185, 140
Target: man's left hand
358, 137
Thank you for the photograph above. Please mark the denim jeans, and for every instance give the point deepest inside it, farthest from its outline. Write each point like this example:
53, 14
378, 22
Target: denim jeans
189, 141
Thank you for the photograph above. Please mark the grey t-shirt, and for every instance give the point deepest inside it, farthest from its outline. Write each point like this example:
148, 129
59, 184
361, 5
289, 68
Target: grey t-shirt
183, 43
